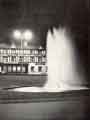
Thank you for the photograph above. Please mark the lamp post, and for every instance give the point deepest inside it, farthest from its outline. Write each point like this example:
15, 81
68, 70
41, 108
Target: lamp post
22, 35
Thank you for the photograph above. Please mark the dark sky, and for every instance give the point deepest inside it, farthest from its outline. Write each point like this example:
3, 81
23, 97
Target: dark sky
40, 15
37, 15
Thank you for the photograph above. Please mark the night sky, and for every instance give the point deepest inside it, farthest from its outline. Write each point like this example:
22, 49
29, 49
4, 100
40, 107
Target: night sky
37, 15
41, 15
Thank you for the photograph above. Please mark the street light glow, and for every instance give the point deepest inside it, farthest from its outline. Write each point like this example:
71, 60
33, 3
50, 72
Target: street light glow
27, 35
25, 43
23, 35
17, 34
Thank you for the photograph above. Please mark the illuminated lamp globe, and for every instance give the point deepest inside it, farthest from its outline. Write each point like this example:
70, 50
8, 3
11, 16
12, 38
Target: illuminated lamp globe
17, 34
27, 35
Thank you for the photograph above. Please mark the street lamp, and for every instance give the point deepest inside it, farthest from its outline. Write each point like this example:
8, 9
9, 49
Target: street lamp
23, 35
17, 34
27, 35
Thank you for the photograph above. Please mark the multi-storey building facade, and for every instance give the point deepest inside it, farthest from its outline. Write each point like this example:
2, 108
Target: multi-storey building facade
15, 60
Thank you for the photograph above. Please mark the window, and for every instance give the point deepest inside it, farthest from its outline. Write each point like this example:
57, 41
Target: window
13, 59
18, 68
29, 59
28, 51
21, 52
43, 59
0, 68
36, 52
24, 51
13, 51
2, 51
23, 69
46, 68
14, 68
5, 59
33, 51
10, 51
5, 69
9, 69
32, 59
40, 69
16, 51
32, 68
39, 59
21, 59
36, 59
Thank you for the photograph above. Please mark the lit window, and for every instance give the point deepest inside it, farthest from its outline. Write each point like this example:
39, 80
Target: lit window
10, 51
0, 69
21, 52
14, 68
14, 51
33, 51
28, 51
17, 51
36, 59
2, 51
18, 68
26, 59
36, 52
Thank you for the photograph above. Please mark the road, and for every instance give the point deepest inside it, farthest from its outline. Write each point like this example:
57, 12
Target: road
51, 106
22, 80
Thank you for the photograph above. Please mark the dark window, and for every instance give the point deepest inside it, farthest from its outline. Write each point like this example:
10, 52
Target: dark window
40, 69
32, 69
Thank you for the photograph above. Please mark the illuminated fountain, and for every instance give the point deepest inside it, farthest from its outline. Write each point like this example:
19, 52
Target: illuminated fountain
63, 71
62, 65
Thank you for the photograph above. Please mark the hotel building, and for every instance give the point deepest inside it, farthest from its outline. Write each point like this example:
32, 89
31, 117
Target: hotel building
28, 61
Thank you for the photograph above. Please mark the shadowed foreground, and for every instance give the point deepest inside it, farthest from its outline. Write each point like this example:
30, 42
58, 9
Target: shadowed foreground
22, 80
71, 105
